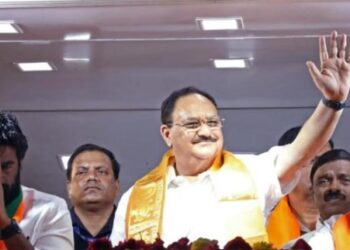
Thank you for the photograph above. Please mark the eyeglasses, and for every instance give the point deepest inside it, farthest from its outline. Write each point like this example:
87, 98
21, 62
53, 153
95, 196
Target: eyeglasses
194, 124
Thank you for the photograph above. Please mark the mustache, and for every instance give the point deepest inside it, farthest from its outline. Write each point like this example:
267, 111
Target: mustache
333, 194
89, 185
199, 139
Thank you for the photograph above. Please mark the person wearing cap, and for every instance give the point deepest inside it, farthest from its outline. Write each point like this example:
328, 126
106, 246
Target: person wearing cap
29, 219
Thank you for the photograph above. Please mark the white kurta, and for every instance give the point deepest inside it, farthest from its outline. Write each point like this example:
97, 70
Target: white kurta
47, 223
191, 204
321, 238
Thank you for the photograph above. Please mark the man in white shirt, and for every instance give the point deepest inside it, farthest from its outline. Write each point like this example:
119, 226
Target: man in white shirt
201, 190
330, 179
29, 219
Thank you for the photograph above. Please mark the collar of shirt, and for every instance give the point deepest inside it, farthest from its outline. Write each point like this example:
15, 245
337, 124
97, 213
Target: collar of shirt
105, 231
304, 229
321, 237
174, 180
327, 223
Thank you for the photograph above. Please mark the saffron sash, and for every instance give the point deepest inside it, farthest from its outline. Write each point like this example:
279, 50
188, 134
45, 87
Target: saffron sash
282, 225
145, 208
341, 233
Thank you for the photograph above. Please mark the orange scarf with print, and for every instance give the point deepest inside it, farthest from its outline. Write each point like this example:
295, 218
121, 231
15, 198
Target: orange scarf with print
145, 208
282, 225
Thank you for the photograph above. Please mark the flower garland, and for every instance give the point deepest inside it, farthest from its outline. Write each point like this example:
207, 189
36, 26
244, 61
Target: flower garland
237, 243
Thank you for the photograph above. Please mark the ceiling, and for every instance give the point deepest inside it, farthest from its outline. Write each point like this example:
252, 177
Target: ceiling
141, 50
133, 41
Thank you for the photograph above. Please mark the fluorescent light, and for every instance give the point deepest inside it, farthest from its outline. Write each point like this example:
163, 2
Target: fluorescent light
63, 159
72, 59
231, 63
224, 23
35, 66
9, 27
83, 36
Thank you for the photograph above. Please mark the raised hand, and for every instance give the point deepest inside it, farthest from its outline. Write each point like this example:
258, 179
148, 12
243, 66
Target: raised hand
333, 77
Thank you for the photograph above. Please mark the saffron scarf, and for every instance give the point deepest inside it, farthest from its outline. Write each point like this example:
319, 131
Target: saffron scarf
282, 225
341, 232
145, 208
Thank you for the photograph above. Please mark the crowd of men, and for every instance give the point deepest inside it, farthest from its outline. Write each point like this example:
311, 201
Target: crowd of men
298, 189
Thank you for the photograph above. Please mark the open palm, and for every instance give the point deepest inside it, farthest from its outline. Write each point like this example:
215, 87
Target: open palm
333, 78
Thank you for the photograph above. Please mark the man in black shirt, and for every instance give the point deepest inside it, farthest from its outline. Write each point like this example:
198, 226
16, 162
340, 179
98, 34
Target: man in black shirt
92, 183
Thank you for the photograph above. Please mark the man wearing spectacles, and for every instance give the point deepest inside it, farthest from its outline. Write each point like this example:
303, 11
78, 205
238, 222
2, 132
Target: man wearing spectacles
194, 124
200, 190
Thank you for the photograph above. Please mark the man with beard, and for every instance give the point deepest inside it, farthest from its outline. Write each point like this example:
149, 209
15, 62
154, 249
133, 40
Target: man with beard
330, 182
296, 213
201, 190
29, 219
92, 183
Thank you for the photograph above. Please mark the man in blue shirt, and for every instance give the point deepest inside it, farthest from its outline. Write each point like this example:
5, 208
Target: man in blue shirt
92, 183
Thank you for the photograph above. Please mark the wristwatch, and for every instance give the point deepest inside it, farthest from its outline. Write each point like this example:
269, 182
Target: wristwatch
10, 230
335, 105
